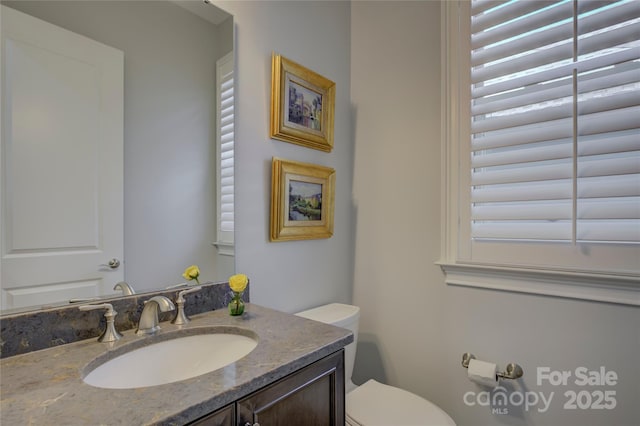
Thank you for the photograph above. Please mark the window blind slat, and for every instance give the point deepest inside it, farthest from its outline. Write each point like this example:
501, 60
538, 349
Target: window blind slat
227, 164
602, 101
619, 231
609, 165
228, 111
226, 103
522, 230
624, 141
227, 128
537, 152
226, 81
611, 76
226, 172
541, 13
530, 210
527, 191
226, 123
523, 173
530, 95
610, 208
555, 130
228, 146
539, 115
609, 121
609, 186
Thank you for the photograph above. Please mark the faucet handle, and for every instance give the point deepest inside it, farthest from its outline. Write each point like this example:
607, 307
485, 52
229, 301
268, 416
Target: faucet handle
107, 306
182, 318
110, 333
181, 293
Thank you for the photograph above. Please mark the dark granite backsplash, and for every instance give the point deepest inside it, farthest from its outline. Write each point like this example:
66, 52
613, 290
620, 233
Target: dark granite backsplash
31, 331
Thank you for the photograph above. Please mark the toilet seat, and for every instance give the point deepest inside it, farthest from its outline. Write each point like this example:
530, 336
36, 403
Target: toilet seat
377, 404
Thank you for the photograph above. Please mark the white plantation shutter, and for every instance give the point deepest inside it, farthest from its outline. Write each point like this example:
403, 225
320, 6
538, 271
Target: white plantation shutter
225, 149
555, 123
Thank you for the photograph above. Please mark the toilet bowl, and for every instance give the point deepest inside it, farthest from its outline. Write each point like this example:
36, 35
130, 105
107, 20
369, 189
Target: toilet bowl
374, 403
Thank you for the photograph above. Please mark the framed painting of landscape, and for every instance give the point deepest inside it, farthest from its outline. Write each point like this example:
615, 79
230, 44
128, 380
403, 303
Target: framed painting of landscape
302, 197
302, 105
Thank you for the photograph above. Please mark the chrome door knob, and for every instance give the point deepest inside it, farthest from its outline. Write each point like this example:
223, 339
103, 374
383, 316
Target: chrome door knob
113, 263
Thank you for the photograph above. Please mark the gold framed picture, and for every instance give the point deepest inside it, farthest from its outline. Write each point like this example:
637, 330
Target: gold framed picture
302, 105
302, 197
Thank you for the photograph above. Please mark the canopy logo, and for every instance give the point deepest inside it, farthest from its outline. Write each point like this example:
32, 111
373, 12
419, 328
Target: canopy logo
499, 399
591, 395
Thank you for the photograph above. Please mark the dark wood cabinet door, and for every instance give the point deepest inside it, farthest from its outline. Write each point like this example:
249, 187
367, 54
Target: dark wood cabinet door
312, 396
223, 417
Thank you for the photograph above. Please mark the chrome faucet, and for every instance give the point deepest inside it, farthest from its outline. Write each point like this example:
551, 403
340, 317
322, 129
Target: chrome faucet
148, 323
126, 289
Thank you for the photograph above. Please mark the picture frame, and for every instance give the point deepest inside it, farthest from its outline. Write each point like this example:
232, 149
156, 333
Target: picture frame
302, 105
302, 197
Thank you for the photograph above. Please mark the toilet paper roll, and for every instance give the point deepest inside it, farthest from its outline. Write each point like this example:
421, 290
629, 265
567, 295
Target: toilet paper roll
483, 373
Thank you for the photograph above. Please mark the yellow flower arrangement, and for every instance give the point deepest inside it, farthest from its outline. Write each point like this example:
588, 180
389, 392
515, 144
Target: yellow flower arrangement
238, 282
192, 273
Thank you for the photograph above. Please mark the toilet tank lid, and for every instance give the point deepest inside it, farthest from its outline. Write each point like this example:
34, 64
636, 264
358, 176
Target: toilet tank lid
337, 314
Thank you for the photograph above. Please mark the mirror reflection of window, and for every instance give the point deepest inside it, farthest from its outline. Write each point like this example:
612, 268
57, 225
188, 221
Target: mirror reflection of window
225, 120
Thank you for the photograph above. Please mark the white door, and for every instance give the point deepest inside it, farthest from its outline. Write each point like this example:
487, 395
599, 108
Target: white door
62, 163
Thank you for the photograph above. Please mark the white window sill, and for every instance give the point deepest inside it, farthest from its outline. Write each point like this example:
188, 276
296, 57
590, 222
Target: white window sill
225, 249
619, 289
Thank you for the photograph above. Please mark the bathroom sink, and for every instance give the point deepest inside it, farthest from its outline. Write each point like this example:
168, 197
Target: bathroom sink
177, 357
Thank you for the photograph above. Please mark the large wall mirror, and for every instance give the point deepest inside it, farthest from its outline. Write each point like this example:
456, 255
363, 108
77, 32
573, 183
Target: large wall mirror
111, 147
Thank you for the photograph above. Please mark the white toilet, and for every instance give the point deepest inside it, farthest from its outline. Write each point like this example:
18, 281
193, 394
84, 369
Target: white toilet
374, 403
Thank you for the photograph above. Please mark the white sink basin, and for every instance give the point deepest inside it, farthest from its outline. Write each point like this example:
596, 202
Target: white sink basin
170, 361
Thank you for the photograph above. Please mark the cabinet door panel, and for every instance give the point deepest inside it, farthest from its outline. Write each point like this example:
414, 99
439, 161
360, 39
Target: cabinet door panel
313, 396
223, 417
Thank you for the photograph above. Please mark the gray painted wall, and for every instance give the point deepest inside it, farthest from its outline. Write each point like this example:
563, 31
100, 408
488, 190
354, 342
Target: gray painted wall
385, 58
290, 276
415, 328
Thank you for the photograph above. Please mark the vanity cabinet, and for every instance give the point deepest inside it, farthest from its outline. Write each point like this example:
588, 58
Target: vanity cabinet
311, 396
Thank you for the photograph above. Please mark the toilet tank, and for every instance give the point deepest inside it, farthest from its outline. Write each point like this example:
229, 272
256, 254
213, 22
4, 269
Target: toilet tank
340, 315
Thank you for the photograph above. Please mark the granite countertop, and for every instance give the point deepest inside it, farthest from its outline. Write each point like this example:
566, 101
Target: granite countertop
45, 387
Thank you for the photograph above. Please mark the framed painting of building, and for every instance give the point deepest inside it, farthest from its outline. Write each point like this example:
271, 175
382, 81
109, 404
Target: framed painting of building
302, 105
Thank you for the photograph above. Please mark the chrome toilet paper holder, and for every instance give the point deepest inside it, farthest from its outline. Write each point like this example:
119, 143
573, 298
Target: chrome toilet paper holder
512, 371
